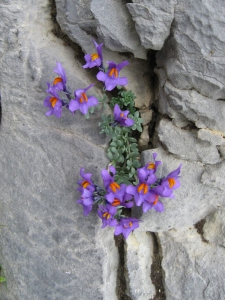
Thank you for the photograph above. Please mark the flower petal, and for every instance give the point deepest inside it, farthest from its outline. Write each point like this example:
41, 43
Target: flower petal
74, 105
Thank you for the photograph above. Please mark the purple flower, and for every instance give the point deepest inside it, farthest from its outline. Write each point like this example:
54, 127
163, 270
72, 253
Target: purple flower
121, 117
152, 202
120, 197
169, 184
54, 103
108, 180
86, 201
82, 101
126, 225
60, 82
151, 167
94, 59
111, 78
86, 183
141, 191
107, 213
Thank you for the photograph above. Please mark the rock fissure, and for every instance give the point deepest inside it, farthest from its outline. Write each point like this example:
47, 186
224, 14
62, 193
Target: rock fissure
157, 272
121, 284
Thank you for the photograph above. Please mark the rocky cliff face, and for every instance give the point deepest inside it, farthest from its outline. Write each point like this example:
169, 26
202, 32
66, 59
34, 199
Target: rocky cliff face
48, 250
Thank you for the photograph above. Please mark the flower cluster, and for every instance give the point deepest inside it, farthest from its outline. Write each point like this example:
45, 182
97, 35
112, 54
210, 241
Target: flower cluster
60, 96
114, 198
125, 182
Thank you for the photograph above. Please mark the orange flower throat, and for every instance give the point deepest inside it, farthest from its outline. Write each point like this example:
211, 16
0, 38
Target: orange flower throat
114, 186
115, 202
151, 166
143, 187
114, 72
172, 182
53, 101
106, 215
83, 98
85, 184
57, 80
94, 56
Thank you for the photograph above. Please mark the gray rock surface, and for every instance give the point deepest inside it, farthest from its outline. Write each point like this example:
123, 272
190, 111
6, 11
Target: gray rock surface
214, 228
193, 269
193, 55
185, 144
49, 250
83, 20
211, 136
193, 201
77, 21
214, 176
152, 21
202, 111
139, 251
116, 29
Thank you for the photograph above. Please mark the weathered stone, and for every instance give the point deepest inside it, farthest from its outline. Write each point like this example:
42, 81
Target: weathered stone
144, 138
214, 228
49, 250
117, 28
192, 268
193, 200
77, 21
185, 144
213, 137
202, 111
193, 55
152, 21
214, 176
146, 116
139, 251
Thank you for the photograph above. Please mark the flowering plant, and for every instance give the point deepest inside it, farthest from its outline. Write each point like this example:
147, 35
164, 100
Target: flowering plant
125, 182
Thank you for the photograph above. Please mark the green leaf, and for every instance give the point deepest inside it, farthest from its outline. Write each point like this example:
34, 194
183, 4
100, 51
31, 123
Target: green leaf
113, 149
136, 114
136, 164
129, 163
133, 171
109, 155
134, 154
139, 128
2, 279
116, 156
113, 144
130, 175
131, 139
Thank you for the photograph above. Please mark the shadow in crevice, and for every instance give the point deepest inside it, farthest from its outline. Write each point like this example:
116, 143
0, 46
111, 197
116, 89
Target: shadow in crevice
0, 109
121, 280
157, 273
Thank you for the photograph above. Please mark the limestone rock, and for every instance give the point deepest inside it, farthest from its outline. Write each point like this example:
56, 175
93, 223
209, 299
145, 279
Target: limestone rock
139, 250
213, 137
152, 21
116, 28
193, 55
193, 200
146, 115
204, 112
193, 269
144, 138
49, 250
77, 21
214, 176
214, 228
185, 144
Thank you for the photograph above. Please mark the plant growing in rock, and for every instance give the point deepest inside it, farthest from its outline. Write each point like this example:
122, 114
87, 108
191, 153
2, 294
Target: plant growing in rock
125, 182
